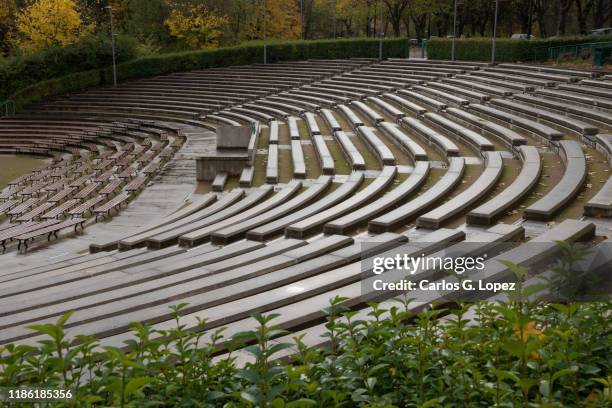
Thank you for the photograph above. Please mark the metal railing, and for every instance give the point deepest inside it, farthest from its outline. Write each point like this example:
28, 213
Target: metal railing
575, 50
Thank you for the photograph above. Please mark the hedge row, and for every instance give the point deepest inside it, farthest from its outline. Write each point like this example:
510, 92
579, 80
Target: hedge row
19, 72
506, 50
186, 61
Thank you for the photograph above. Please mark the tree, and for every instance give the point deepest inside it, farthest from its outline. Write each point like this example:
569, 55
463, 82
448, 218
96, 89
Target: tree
396, 10
145, 20
47, 23
564, 7
195, 26
8, 9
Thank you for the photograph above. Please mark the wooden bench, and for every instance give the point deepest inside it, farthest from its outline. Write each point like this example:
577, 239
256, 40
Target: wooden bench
36, 212
10, 233
115, 203
50, 231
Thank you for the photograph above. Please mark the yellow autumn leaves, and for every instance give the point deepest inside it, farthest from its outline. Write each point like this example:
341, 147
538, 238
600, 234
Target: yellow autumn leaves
46, 23
195, 26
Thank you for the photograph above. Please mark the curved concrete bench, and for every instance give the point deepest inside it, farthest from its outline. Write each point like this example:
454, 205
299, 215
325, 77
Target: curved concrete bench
333, 91
551, 77
323, 154
387, 107
497, 82
353, 119
469, 136
506, 135
237, 231
577, 97
356, 84
297, 157
398, 80
253, 113
361, 78
312, 124
601, 204
489, 89
350, 151
444, 144
459, 90
323, 98
273, 139
330, 119
402, 214
294, 101
295, 109
588, 90
340, 87
541, 68
486, 213
315, 222
312, 100
465, 199
273, 111
440, 94
272, 164
170, 236
383, 153
374, 116
604, 145
536, 128
294, 132
238, 116
522, 79
422, 98
414, 150
565, 121
246, 176
405, 103
275, 227
565, 190
201, 235
604, 117
222, 120
394, 197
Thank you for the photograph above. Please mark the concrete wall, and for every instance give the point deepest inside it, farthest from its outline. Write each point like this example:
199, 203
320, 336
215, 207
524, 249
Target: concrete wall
233, 137
207, 167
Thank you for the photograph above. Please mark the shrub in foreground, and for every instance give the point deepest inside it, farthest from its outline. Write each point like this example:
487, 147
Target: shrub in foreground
482, 355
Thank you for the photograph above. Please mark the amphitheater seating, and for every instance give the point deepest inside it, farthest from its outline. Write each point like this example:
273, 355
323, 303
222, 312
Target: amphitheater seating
444, 144
486, 213
350, 151
407, 211
573, 178
276, 227
383, 153
325, 158
200, 235
469, 136
477, 191
290, 248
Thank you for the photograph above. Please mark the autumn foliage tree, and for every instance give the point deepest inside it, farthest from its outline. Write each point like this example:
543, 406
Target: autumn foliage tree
46, 23
195, 26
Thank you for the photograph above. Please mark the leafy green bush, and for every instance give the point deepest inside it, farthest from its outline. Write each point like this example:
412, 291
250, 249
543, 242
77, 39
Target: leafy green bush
506, 50
515, 355
19, 72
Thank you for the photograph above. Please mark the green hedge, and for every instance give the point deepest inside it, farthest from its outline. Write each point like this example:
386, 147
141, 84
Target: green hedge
507, 50
19, 72
26, 91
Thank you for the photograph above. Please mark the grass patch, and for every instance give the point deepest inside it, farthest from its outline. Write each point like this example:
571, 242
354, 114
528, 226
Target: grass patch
15, 165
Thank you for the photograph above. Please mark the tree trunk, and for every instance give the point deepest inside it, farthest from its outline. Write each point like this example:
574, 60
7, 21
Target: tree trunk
564, 8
